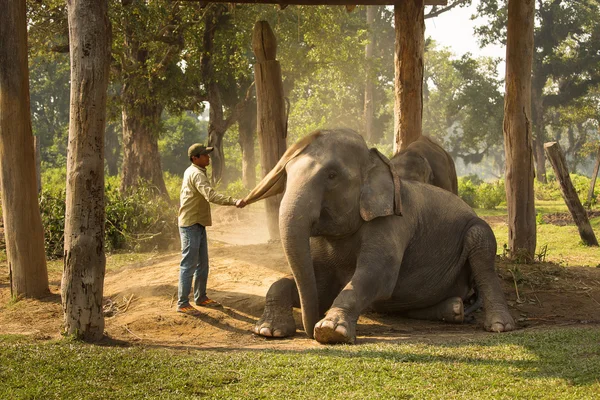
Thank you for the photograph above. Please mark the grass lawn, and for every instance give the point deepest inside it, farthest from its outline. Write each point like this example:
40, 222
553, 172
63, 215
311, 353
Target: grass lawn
553, 364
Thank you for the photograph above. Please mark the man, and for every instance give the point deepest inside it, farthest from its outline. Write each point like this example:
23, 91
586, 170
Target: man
194, 216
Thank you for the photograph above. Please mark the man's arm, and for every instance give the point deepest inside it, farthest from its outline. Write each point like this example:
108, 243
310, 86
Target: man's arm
203, 185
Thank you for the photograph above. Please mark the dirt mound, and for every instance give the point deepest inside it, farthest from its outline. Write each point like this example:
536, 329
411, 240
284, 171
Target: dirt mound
140, 298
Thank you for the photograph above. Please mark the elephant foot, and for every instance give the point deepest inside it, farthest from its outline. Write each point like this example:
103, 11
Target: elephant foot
499, 321
335, 329
449, 310
452, 310
275, 324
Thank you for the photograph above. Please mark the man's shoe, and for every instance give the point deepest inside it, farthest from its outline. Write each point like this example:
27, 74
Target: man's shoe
209, 303
189, 310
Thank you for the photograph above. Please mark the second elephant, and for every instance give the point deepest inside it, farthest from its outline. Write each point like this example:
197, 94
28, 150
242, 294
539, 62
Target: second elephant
426, 161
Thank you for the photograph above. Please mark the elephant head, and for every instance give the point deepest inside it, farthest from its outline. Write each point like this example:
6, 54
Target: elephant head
333, 183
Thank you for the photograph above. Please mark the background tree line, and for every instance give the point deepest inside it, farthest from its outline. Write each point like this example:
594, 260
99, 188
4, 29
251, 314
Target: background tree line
182, 72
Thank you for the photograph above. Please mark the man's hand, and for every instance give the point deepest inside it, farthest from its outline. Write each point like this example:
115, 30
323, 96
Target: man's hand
240, 203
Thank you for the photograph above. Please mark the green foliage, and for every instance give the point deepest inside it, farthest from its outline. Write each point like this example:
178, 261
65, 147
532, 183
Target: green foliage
236, 189
173, 184
490, 195
477, 193
179, 133
467, 189
551, 190
52, 209
139, 221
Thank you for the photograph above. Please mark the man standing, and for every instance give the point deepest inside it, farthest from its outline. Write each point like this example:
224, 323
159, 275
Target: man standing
194, 216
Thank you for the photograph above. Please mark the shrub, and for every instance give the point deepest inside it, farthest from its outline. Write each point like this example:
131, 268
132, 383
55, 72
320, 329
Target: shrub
467, 190
140, 221
236, 189
490, 195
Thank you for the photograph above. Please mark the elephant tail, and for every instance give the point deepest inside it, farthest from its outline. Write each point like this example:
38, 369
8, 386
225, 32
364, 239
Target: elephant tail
473, 303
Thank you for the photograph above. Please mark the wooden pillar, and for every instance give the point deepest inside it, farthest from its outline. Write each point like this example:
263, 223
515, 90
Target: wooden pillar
271, 111
517, 130
557, 159
23, 230
593, 180
408, 61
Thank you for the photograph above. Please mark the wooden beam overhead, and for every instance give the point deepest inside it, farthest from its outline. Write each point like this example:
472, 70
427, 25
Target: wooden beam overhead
326, 2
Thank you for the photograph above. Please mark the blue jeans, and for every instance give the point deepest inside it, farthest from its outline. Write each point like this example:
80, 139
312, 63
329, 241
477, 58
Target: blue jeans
194, 264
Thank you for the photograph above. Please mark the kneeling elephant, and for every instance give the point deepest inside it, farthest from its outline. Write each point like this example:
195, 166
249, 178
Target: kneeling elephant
356, 236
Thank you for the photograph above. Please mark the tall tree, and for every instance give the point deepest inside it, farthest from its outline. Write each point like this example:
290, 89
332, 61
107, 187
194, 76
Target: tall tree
517, 129
22, 221
566, 58
84, 260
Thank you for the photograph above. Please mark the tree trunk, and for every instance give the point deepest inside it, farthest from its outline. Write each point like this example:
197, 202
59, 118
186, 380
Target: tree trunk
517, 130
37, 145
593, 179
23, 230
539, 137
247, 128
84, 260
270, 110
112, 149
141, 158
369, 110
408, 60
216, 131
557, 159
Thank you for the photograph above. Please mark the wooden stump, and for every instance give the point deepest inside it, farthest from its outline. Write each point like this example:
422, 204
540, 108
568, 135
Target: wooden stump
271, 112
557, 159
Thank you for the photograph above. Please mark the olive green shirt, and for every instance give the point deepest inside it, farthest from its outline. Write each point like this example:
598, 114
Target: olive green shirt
196, 196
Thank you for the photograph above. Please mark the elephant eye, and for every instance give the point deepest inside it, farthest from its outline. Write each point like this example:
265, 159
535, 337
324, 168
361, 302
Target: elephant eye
332, 175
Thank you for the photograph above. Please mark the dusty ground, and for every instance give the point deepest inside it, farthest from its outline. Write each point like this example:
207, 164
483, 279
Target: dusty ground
140, 298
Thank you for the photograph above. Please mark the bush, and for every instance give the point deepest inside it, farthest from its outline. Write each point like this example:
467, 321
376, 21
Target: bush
139, 221
490, 195
467, 190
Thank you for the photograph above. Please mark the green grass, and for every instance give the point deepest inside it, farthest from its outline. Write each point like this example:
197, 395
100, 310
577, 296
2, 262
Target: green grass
558, 364
563, 244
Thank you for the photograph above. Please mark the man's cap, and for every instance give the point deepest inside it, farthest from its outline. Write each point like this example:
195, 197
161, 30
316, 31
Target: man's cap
198, 149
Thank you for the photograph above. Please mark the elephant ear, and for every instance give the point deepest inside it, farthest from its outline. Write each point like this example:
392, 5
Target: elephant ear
380, 192
274, 182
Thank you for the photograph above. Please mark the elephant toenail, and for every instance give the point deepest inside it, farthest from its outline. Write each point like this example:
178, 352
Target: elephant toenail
265, 332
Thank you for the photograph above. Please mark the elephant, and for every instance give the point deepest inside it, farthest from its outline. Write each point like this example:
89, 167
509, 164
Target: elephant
426, 161
356, 237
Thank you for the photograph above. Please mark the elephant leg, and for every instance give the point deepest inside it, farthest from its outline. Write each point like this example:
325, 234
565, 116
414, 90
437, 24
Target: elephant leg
368, 284
449, 310
481, 249
278, 318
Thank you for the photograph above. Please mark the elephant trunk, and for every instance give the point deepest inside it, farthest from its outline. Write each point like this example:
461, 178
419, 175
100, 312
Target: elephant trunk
295, 221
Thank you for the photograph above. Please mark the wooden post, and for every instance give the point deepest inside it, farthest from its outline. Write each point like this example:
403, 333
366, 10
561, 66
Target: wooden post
517, 129
593, 180
271, 111
557, 159
23, 230
408, 60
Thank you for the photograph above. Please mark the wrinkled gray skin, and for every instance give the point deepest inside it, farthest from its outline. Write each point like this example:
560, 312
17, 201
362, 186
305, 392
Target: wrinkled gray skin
426, 161
348, 251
